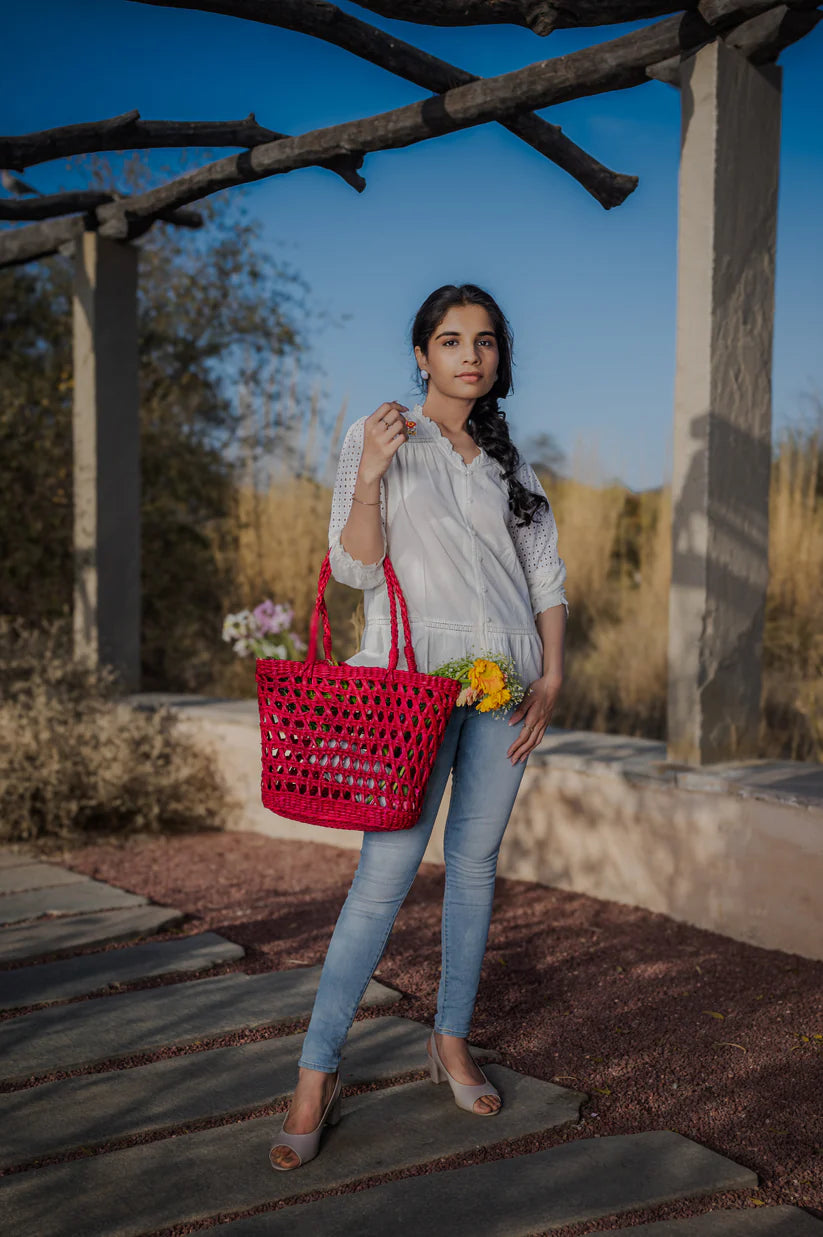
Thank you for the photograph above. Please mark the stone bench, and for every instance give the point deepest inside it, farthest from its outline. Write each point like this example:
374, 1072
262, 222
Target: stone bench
735, 848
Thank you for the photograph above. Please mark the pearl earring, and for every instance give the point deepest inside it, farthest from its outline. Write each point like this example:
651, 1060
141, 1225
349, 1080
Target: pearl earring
424, 374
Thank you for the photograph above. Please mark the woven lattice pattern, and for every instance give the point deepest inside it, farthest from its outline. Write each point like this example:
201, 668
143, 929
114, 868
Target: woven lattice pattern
346, 747
350, 747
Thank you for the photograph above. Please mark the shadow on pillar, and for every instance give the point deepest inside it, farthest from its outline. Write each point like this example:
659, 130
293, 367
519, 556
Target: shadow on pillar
727, 231
106, 458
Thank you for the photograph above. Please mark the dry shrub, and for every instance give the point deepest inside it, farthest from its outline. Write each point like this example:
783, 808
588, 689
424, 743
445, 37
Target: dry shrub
74, 760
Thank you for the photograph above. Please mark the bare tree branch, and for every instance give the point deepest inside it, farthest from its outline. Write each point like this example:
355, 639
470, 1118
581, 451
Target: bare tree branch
47, 206
761, 39
724, 13
328, 22
541, 16
129, 132
615, 65
39, 240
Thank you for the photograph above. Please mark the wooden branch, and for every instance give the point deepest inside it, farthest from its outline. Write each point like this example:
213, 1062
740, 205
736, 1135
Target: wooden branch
761, 39
607, 187
543, 16
615, 65
722, 14
48, 206
40, 240
129, 132
540, 16
21, 245
328, 22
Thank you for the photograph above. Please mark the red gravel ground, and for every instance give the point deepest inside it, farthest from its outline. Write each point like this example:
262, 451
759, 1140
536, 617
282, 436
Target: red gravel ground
664, 1025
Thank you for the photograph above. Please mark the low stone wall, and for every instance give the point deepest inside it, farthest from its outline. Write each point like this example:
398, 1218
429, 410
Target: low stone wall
734, 848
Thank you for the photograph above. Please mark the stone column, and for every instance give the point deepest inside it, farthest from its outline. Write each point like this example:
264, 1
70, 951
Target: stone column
730, 144
106, 457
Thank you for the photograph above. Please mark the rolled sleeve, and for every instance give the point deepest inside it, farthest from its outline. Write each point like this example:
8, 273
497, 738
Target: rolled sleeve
536, 546
344, 567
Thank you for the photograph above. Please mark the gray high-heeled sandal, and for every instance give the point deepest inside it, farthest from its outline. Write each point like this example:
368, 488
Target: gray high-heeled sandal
466, 1094
305, 1145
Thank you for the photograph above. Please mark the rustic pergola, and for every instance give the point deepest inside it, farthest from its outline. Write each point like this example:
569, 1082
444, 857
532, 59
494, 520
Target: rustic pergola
721, 54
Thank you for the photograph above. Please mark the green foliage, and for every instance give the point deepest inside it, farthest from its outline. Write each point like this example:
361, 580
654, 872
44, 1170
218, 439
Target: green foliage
212, 304
35, 441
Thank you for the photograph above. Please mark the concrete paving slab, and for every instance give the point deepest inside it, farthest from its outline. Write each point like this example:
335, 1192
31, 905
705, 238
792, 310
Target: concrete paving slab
84, 895
109, 1027
781, 1221
92, 1109
56, 981
24, 876
513, 1197
155, 1185
47, 936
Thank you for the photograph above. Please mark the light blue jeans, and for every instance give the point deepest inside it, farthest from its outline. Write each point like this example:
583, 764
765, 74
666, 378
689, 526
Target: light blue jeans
484, 787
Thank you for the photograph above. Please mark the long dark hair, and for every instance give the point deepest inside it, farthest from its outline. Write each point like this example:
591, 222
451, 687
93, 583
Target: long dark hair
487, 422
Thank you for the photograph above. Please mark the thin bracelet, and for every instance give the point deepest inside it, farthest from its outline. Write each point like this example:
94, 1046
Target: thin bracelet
365, 504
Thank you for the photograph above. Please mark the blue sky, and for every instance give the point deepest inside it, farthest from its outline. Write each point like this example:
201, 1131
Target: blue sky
590, 293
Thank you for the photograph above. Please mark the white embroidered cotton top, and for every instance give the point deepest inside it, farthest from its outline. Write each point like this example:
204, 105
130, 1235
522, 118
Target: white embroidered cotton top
473, 581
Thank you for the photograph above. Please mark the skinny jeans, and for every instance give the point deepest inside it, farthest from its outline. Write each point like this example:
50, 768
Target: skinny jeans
484, 787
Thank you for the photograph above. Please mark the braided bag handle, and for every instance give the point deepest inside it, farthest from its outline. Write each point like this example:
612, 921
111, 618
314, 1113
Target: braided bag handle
350, 747
395, 594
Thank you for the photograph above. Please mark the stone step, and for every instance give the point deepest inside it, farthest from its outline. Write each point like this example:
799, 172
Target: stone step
513, 1197
156, 1185
57, 981
106, 1028
96, 1108
82, 895
47, 936
24, 876
783, 1221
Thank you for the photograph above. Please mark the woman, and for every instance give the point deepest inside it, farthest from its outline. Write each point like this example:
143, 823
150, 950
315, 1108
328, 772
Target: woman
474, 544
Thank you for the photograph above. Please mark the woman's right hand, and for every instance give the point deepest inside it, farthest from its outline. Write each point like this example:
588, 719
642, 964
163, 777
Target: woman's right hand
384, 432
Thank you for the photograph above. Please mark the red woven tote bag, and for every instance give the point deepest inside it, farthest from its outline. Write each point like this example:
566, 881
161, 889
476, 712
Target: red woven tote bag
350, 747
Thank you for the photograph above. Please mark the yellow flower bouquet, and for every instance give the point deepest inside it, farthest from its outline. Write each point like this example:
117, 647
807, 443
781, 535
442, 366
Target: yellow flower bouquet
490, 681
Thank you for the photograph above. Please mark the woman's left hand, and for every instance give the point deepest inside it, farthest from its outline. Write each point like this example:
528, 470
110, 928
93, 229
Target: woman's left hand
536, 707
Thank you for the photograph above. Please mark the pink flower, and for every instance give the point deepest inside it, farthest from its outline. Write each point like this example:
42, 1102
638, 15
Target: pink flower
271, 618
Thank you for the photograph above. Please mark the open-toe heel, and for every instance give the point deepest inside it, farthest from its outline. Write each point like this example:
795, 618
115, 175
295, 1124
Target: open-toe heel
305, 1146
465, 1094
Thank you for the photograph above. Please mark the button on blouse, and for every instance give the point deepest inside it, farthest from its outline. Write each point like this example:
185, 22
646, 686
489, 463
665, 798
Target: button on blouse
473, 580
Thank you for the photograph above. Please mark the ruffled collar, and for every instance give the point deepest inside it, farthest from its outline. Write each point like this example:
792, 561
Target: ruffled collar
431, 431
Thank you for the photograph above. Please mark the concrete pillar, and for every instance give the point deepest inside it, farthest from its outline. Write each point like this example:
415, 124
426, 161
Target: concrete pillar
730, 142
106, 457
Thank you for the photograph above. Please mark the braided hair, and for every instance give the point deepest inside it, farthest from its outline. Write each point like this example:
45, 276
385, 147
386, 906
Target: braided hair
487, 422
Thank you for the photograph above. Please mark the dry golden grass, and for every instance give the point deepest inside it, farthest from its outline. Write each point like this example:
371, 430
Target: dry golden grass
793, 652
616, 545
